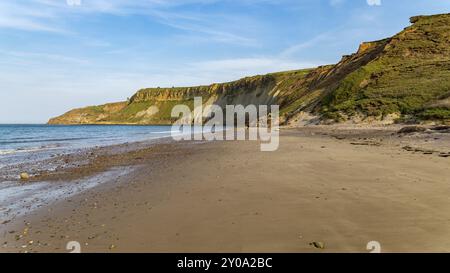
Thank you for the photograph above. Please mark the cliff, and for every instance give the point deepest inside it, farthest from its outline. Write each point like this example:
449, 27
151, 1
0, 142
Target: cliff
406, 76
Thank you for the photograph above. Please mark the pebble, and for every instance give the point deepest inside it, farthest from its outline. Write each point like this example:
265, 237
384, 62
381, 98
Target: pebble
319, 245
24, 176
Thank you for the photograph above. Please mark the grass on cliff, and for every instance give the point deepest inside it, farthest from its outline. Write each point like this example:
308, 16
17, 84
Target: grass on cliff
435, 114
412, 71
379, 89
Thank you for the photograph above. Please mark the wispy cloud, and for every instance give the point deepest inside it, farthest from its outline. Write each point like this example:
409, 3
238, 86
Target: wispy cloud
215, 27
18, 15
44, 57
52, 16
290, 51
246, 66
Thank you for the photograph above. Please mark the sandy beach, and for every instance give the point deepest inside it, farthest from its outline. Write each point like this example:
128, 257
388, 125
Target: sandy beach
342, 188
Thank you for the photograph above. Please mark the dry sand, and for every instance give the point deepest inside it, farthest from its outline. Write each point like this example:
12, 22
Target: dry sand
337, 187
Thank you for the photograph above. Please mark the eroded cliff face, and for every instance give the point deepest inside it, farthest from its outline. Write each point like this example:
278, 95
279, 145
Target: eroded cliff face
154, 105
259, 90
406, 76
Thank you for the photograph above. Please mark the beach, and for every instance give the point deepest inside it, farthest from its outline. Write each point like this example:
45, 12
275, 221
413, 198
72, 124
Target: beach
342, 188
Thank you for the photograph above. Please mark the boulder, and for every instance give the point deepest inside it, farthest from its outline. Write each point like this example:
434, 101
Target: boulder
412, 129
319, 245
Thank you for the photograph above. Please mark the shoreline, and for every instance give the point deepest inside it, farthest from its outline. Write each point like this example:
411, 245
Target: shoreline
70, 159
96, 159
238, 182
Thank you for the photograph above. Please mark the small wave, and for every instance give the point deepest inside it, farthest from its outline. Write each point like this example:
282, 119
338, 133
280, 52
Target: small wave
41, 140
7, 152
51, 146
28, 149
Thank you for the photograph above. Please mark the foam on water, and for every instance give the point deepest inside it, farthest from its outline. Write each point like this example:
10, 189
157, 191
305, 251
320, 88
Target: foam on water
28, 150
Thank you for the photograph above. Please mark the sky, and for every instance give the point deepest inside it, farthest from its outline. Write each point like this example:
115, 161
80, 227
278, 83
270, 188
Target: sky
56, 55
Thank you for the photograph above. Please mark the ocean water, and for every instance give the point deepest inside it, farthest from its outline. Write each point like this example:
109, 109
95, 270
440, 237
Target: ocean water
25, 143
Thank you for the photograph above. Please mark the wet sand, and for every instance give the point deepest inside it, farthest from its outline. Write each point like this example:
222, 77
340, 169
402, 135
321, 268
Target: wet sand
343, 188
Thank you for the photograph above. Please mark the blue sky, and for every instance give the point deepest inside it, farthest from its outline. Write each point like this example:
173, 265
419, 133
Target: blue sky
56, 55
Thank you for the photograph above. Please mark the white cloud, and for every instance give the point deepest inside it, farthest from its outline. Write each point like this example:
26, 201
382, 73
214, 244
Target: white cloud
216, 27
374, 2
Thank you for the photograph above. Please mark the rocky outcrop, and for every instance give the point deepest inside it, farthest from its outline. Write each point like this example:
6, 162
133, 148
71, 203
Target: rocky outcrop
406, 76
